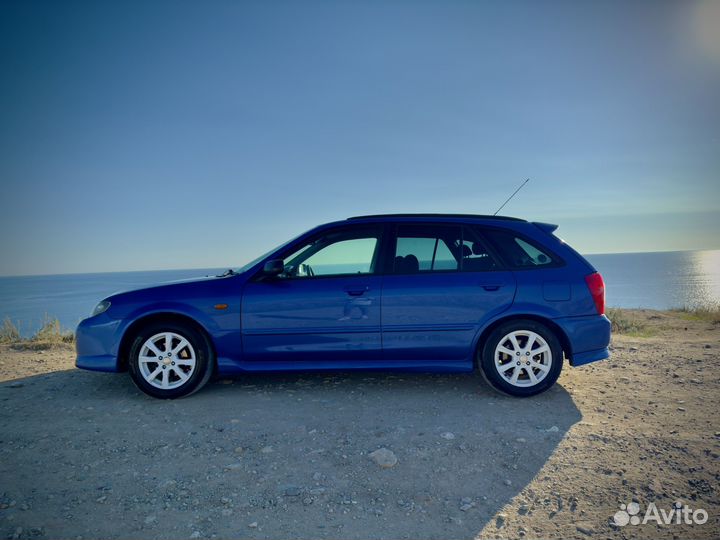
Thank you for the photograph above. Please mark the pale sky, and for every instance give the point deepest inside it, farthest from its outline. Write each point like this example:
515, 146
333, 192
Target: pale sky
153, 135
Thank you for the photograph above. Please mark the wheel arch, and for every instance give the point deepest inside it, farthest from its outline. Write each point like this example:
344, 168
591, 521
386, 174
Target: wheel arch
167, 316
557, 330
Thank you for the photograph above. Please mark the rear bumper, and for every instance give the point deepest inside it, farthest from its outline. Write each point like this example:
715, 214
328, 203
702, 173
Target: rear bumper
96, 341
589, 356
589, 338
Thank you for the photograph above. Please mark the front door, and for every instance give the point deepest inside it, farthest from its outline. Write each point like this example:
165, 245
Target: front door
323, 310
443, 284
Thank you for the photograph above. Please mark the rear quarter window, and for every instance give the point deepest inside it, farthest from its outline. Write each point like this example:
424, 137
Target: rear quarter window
520, 252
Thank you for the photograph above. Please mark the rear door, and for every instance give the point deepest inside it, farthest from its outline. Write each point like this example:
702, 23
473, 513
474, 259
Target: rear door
441, 285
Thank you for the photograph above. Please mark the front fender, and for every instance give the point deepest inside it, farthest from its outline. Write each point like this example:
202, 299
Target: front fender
222, 327
174, 308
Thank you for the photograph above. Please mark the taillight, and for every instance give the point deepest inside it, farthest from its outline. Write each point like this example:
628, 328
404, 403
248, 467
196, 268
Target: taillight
596, 285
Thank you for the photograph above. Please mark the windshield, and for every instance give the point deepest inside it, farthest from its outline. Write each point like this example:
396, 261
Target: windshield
252, 263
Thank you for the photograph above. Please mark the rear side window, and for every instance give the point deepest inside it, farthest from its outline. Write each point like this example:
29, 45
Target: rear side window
476, 257
426, 248
519, 252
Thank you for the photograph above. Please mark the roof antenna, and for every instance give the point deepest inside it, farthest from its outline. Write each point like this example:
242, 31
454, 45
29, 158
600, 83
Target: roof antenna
511, 196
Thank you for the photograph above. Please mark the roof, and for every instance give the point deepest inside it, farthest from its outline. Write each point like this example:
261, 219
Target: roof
462, 216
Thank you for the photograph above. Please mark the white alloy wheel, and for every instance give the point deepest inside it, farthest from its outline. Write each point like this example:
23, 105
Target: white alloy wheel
167, 360
523, 358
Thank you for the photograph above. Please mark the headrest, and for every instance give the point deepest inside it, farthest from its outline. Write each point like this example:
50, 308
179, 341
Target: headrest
411, 264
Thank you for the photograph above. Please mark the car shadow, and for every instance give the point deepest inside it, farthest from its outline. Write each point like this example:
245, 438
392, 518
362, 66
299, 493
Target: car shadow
269, 455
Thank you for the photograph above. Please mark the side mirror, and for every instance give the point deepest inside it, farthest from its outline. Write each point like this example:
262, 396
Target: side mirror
274, 267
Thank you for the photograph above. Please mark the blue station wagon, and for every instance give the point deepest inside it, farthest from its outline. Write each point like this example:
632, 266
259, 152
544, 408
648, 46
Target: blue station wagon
416, 292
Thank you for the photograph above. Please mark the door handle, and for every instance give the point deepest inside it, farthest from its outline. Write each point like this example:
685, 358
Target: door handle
356, 291
491, 287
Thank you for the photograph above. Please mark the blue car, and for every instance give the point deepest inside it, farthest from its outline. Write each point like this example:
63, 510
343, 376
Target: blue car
417, 292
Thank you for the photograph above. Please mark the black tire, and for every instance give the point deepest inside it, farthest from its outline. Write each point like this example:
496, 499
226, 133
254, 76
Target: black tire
487, 362
204, 360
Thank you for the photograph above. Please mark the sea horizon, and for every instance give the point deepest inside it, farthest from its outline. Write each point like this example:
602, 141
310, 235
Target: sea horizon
203, 269
649, 280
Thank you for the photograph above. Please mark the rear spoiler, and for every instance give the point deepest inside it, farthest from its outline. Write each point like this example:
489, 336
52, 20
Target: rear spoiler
547, 227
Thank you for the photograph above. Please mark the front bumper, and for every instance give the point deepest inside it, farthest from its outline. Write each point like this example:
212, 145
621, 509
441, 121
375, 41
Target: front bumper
588, 337
96, 343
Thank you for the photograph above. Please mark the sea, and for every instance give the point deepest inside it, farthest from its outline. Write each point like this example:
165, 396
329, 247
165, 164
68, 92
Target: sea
661, 280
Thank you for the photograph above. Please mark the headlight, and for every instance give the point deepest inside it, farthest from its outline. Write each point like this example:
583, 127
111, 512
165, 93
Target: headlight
102, 307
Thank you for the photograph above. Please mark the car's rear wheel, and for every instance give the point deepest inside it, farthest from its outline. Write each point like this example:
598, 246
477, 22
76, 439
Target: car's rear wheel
521, 358
170, 360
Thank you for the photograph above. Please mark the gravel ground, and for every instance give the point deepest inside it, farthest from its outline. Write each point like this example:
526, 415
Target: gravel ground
366, 455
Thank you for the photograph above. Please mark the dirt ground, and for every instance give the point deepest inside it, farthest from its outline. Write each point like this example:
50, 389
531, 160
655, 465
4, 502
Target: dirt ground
86, 455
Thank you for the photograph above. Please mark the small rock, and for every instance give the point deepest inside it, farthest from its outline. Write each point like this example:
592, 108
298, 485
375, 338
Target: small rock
553, 429
101, 499
291, 491
520, 440
15, 385
523, 509
150, 519
633, 349
507, 482
708, 346
18, 533
266, 450
585, 530
307, 501
253, 525
500, 520
384, 458
239, 450
681, 409
196, 534
233, 467
447, 435
466, 507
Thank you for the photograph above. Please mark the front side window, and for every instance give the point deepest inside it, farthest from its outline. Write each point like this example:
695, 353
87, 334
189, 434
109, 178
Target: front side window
518, 252
335, 254
426, 248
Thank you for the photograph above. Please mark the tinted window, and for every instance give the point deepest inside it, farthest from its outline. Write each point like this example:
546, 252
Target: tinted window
517, 251
334, 254
476, 257
421, 248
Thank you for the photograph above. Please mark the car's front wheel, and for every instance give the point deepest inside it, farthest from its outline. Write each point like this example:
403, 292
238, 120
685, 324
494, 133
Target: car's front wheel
521, 358
170, 360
